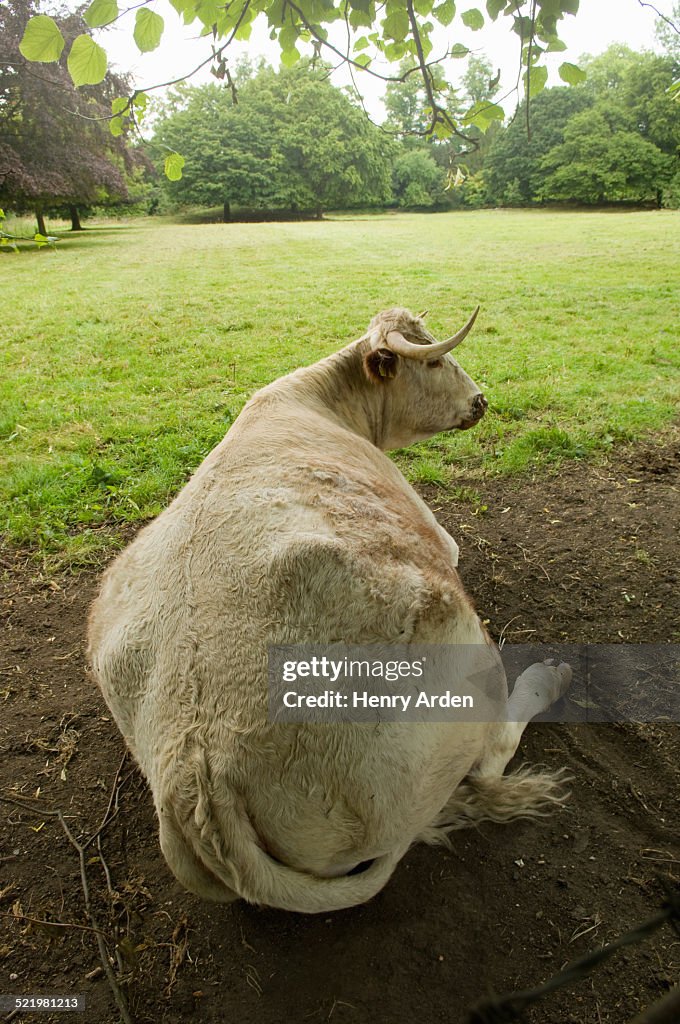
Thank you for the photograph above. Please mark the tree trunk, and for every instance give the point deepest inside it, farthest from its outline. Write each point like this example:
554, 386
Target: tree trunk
319, 211
226, 213
42, 230
75, 219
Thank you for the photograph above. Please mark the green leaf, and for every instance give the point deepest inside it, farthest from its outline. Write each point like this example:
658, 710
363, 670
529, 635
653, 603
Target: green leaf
571, 74
423, 7
534, 80
42, 41
119, 104
445, 13
185, 7
569, 6
360, 19
2, 215
494, 8
244, 30
361, 44
483, 114
116, 126
288, 37
290, 57
550, 9
208, 11
140, 102
148, 29
363, 59
100, 12
474, 19
173, 166
86, 61
396, 25
458, 51
555, 45
394, 51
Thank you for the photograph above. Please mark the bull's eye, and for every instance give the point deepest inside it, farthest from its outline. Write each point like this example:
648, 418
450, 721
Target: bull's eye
434, 362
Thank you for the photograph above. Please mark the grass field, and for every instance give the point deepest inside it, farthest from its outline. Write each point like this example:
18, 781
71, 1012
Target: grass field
129, 350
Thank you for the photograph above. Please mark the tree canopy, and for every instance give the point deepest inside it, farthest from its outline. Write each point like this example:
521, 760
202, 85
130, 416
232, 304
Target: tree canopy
56, 148
616, 138
367, 36
293, 141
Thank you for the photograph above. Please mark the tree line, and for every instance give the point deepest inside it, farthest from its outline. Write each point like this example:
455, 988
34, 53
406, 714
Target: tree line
295, 142
292, 142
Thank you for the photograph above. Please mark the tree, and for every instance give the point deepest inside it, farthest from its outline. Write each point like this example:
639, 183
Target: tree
228, 152
595, 165
417, 179
405, 103
294, 141
54, 153
479, 87
638, 152
513, 167
391, 31
667, 32
632, 91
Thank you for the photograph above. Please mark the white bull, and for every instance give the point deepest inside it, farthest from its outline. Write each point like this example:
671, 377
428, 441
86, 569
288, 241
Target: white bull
298, 529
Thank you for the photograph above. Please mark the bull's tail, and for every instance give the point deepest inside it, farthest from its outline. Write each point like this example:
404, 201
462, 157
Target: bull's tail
525, 793
211, 846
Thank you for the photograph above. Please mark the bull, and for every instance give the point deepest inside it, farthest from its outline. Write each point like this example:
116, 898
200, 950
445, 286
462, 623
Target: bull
297, 528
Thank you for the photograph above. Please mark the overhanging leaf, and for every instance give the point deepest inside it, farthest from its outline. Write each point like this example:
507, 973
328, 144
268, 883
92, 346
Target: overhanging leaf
86, 61
290, 57
396, 25
173, 166
494, 8
445, 13
534, 80
148, 29
474, 19
483, 114
101, 12
571, 74
42, 41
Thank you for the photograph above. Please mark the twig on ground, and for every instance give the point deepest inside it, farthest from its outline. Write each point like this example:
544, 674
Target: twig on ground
81, 849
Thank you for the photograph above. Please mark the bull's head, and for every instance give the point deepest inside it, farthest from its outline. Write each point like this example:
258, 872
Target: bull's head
425, 389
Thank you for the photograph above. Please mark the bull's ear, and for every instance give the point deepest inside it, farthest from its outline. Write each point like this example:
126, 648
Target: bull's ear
381, 364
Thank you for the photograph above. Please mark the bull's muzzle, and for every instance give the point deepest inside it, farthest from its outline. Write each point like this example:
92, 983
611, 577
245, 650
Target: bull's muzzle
479, 406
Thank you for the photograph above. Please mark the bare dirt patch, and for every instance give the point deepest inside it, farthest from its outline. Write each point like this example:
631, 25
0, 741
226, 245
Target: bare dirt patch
589, 554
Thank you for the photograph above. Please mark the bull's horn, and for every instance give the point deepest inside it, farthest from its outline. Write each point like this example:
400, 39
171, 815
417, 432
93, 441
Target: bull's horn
398, 343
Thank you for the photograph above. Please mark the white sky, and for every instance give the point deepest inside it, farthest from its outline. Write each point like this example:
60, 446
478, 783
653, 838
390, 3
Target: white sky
598, 24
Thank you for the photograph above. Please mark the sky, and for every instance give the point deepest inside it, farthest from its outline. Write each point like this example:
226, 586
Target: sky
598, 24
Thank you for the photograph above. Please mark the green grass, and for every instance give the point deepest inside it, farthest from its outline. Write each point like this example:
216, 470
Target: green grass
128, 351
